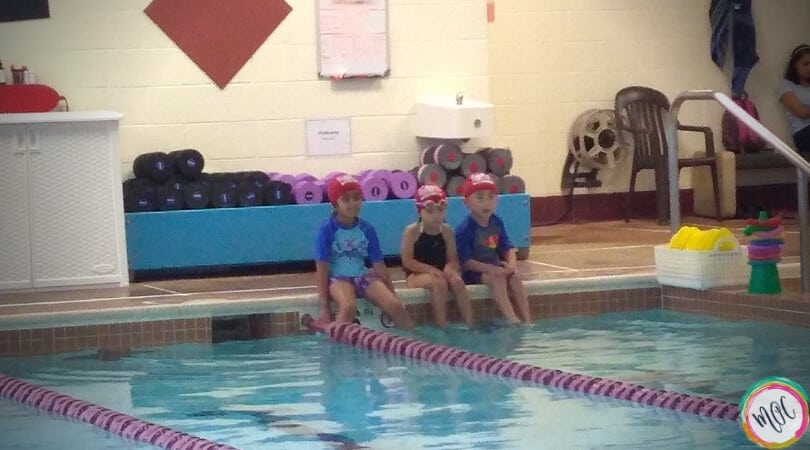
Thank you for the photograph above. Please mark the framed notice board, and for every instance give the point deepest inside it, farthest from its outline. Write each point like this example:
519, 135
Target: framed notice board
352, 38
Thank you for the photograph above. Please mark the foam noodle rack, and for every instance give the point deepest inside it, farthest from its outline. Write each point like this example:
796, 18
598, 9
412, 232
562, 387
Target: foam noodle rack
278, 234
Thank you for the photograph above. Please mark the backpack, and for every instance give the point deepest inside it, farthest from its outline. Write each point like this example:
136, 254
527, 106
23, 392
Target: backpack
737, 137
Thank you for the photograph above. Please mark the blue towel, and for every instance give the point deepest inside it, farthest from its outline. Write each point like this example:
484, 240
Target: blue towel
734, 16
719, 12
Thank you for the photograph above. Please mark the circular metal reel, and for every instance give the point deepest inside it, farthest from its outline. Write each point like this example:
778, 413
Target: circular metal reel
593, 139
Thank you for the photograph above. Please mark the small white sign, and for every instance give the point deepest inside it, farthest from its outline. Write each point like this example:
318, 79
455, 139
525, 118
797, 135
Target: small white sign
327, 137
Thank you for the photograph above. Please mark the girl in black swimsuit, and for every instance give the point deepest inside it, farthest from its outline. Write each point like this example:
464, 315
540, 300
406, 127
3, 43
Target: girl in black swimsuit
429, 256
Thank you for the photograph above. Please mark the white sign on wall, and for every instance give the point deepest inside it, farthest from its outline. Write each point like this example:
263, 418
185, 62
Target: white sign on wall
352, 38
327, 137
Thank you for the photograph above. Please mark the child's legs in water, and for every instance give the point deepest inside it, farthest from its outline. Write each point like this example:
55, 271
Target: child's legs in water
519, 298
345, 290
500, 293
461, 295
376, 291
342, 291
438, 294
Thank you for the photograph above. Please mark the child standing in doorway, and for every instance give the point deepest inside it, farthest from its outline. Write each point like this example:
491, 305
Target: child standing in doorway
485, 252
343, 244
429, 256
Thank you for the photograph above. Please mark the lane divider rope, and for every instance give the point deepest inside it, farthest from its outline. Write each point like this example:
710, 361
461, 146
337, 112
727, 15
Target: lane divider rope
108, 420
362, 337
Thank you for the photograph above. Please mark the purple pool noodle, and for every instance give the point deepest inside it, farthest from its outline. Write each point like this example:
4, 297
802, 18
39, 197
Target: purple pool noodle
305, 177
384, 174
359, 336
284, 178
108, 420
403, 184
331, 175
307, 193
323, 185
374, 188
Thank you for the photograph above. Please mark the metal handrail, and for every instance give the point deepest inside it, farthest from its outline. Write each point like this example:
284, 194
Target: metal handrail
801, 165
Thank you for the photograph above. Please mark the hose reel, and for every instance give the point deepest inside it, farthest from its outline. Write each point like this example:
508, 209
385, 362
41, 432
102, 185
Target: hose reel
592, 144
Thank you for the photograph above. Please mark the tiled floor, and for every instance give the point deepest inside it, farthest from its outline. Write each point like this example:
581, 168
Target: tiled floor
565, 251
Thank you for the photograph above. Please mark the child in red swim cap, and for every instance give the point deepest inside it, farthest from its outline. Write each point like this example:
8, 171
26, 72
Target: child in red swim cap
429, 256
343, 244
485, 251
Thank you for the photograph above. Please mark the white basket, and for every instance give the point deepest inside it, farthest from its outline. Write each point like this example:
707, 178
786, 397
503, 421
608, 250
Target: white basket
701, 269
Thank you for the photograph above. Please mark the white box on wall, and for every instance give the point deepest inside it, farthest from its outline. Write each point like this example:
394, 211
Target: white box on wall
454, 118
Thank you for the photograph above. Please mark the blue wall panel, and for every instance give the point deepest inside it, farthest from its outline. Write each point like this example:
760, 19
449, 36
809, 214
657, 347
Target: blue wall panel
274, 234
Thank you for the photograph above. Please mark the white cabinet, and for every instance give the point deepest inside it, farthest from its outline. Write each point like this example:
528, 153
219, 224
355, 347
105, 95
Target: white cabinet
61, 210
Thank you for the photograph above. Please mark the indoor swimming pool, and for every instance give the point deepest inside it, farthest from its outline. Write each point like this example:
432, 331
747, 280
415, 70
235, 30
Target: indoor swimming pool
307, 392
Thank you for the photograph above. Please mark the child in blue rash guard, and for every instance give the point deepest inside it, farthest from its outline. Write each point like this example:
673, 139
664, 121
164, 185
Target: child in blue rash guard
485, 252
343, 244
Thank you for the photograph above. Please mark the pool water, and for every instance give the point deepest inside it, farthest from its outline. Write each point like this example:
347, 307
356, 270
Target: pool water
309, 393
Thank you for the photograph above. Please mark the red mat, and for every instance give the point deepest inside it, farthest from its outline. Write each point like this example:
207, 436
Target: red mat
27, 98
220, 36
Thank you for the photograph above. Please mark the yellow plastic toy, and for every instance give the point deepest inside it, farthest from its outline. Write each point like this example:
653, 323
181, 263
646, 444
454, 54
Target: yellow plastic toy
680, 238
693, 238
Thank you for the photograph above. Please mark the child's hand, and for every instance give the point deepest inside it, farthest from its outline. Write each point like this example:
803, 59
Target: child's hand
497, 271
436, 272
510, 267
451, 270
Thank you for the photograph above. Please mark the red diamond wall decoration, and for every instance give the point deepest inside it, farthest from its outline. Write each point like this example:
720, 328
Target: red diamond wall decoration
220, 36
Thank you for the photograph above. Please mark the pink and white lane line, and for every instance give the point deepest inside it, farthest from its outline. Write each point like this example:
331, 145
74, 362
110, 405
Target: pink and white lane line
114, 422
359, 336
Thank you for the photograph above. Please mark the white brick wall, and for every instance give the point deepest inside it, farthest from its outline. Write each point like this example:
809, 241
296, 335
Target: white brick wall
109, 55
553, 60
543, 61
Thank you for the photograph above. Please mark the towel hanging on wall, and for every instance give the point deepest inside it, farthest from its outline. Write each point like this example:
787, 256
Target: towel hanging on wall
734, 17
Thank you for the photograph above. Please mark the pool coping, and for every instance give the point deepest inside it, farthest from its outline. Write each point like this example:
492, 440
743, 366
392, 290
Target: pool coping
303, 303
202, 306
218, 306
